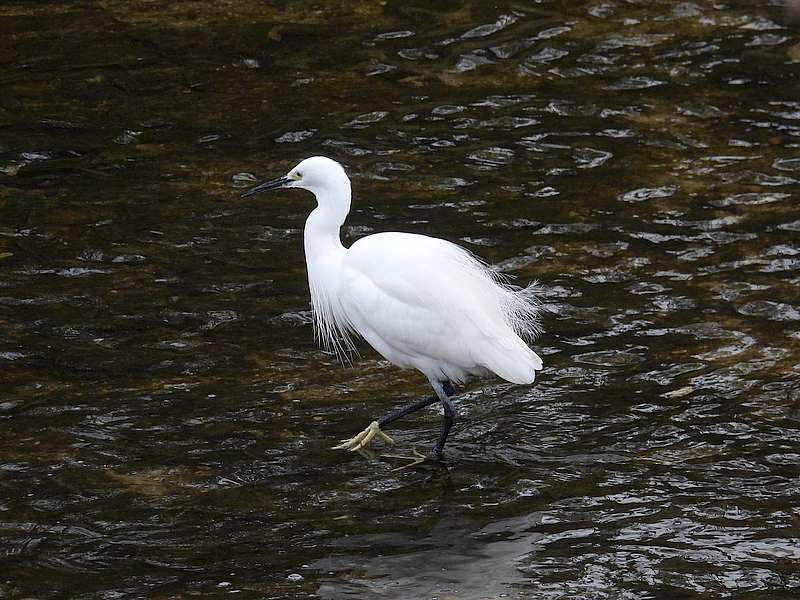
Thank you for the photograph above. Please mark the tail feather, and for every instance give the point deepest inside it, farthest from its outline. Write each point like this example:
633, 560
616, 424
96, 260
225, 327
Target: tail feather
513, 360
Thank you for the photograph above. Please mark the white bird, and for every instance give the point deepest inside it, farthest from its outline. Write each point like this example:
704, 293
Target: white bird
421, 302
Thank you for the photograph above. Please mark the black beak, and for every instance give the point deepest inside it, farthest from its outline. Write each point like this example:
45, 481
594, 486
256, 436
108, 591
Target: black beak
267, 185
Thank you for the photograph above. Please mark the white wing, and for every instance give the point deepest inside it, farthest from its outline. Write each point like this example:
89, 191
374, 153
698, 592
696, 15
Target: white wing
423, 302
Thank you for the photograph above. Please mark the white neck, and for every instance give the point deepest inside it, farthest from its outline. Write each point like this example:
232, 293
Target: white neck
324, 254
321, 234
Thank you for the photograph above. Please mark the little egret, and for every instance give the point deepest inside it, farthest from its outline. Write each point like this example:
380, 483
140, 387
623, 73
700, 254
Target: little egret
421, 302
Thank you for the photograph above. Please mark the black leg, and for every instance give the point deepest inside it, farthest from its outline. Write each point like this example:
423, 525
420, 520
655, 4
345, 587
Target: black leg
442, 389
443, 392
407, 409
448, 389
447, 423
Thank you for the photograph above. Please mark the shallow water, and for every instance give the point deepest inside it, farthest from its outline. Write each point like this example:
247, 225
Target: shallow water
166, 416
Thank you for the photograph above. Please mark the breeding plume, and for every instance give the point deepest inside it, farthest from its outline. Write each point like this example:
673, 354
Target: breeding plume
421, 302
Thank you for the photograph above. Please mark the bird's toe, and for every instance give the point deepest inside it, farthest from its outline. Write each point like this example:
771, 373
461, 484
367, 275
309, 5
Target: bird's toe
417, 458
362, 439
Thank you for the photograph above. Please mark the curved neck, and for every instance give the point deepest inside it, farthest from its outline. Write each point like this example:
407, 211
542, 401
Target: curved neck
321, 234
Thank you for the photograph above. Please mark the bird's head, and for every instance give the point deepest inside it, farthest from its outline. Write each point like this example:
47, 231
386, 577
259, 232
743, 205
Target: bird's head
316, 174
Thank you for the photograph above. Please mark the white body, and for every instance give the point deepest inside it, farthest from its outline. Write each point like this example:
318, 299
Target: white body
421, 302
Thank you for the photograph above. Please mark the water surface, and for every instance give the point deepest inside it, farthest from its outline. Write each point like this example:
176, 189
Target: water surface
166, 415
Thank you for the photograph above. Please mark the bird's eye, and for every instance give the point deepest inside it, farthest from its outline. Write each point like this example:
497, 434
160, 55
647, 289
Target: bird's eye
299, 174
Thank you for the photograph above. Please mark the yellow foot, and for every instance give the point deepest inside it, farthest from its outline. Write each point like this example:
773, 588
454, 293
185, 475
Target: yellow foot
415, 460
363, 439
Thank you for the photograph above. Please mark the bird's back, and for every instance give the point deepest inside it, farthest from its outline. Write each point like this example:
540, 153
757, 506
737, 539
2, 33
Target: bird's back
426, 303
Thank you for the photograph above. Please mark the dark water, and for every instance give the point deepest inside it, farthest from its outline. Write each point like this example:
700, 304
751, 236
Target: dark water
166, 416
